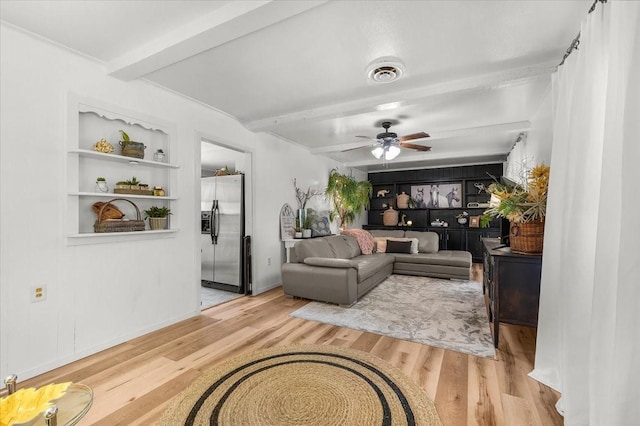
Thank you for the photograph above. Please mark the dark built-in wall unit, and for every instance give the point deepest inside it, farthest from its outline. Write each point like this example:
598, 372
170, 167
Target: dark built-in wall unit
459, 187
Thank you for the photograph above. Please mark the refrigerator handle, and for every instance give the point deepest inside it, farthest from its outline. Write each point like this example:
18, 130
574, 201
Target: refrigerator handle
217, 221
212, 222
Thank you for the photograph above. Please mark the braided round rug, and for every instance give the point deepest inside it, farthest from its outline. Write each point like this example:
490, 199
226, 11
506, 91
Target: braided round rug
302, 385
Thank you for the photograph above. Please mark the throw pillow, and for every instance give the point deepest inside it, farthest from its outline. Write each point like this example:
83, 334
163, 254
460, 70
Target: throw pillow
320, 227
364, 238
398, 246
414, 243
381, 244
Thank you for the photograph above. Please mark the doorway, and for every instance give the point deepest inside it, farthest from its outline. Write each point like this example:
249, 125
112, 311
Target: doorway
225, 241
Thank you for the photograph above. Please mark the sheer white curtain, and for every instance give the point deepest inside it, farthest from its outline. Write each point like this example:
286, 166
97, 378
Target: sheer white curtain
588, 345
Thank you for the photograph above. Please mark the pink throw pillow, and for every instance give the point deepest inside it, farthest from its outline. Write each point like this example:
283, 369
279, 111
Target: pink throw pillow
364, 238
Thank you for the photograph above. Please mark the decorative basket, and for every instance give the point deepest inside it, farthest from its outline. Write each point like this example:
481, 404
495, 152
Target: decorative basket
132, 149
118, 225
390, 217
526, 238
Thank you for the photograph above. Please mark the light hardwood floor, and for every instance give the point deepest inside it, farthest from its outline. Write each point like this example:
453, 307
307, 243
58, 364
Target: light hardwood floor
134, 381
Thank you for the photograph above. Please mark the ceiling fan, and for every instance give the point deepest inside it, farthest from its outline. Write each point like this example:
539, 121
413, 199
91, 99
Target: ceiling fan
388, 144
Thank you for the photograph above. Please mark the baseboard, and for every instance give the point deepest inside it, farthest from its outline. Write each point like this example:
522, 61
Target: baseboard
45, 368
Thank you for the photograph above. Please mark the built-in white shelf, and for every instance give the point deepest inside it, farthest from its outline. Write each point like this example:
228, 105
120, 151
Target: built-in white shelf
112, 237
121, 234
121, 158
112, 195
91, 120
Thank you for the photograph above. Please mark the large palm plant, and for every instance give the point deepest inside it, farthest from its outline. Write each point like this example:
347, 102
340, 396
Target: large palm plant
348, 197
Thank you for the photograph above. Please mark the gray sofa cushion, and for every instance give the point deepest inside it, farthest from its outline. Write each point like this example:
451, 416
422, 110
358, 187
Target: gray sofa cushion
331, 263
369, 264
343, 246
428, 242
444, 257
315, 247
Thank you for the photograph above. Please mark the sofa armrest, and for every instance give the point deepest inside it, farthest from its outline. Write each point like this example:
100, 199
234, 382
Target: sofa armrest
328, 262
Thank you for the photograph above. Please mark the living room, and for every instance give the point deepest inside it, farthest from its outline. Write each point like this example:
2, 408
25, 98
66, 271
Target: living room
102, 294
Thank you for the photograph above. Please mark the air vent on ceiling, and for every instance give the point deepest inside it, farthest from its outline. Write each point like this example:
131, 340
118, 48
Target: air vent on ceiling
385, 70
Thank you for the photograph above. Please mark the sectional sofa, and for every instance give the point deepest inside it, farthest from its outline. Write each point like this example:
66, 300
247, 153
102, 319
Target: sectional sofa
334, 269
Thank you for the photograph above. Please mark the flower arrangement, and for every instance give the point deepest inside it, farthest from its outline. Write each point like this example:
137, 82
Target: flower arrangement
520, 203
304, 197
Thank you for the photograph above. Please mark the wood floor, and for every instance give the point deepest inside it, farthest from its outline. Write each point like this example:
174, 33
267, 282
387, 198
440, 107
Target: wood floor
134, 381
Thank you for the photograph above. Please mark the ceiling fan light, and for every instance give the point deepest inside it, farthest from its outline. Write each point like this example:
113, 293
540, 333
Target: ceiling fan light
377, 152
392, 152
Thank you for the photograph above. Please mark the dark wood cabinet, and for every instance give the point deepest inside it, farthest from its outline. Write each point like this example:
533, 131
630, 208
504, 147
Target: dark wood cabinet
511, 286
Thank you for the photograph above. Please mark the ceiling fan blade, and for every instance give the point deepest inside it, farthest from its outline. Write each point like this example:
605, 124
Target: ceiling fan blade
366, 137
413, 136
414, 146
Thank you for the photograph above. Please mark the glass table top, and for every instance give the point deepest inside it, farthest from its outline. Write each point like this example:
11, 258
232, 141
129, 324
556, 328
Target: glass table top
72, 406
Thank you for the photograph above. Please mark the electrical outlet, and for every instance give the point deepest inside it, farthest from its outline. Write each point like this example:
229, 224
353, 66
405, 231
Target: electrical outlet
38, 293
268, 261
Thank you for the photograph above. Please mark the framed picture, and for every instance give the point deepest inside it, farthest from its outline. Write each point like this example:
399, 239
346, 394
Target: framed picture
474, 221
437, 195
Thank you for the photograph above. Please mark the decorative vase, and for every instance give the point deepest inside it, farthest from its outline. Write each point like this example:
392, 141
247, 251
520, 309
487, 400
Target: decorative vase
306, 233
403, 201
158, 156
156, 223
390, 217
526, 238
302, 217
297, 234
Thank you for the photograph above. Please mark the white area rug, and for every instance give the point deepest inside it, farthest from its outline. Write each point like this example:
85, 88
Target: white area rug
210, 297
447, 314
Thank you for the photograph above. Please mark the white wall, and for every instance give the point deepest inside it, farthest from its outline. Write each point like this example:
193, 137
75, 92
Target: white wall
103, 294
535, 148
281, 162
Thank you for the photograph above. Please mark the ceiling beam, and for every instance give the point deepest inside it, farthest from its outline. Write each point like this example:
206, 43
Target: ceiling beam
229, 22
517, 126
428, 156
496, 80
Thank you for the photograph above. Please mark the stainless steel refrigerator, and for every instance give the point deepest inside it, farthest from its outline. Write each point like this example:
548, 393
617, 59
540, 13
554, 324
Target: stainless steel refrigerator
223, 240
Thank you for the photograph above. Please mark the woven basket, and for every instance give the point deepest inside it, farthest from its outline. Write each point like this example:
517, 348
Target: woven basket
118, 225
526, 238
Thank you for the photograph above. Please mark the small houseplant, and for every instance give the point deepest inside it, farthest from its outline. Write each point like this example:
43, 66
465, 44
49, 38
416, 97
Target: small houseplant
130, 148
101, 184
348, 197
158, 155
158, 217
525, 206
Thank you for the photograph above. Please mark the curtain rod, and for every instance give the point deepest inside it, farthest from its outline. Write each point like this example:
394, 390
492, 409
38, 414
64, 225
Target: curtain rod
576, 41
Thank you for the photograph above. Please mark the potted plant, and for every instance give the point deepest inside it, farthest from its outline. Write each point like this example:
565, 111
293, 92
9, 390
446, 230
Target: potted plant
158, 217
158, 155
308, 221
133, 183
348, 197
463, 218
130, 148
122, 184
525, 206
101, 184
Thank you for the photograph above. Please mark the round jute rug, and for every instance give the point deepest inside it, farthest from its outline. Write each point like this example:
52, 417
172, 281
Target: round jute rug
302, 385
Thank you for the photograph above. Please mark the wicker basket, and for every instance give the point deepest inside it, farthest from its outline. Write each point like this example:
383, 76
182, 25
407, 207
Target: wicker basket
526, 238
118, 225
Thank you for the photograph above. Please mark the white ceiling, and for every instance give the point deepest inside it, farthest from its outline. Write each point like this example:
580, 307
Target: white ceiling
475, 71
